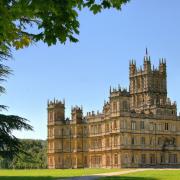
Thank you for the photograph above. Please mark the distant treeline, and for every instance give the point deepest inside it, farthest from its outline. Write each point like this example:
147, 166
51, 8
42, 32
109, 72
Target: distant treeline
35, 156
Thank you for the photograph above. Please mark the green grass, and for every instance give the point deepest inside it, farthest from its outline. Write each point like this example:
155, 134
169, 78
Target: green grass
49, 174
148, 175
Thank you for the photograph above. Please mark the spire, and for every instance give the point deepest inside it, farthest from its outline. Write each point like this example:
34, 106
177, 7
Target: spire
146, 52
147, 57
119, 87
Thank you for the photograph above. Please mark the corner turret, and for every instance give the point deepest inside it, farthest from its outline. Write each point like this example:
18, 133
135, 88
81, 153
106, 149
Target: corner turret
77, 114
132, 67
56, 111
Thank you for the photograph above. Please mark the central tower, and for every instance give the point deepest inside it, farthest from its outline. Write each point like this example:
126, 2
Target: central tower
148, 87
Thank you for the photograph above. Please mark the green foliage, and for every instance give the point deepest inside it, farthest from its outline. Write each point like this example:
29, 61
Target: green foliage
9, 144
34, 158
53, 20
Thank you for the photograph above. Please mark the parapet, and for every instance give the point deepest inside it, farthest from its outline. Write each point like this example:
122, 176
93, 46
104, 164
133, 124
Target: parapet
76, 108
118, 92
55, 103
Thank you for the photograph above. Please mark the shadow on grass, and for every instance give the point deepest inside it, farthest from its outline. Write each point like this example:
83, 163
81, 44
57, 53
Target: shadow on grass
30, 178
127, 178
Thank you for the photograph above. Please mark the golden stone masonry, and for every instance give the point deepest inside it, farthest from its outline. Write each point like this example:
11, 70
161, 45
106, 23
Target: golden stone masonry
137, 128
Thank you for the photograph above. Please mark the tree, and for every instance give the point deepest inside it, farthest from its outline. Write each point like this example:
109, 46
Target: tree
37, 158
9, 144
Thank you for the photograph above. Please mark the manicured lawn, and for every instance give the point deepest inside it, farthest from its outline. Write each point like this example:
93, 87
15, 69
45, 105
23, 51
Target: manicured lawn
49, 174
148, 175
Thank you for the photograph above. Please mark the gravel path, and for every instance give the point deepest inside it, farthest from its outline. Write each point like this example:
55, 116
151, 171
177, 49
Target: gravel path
97, 176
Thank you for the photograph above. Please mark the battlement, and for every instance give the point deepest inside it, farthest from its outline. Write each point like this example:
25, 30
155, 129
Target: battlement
77, 114
76, 108
55, 103
147, 69
93, 113
118, 92
170, 103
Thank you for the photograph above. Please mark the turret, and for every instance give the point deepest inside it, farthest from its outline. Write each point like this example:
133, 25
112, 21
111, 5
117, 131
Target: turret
119, 100
77, 114
132, 67
56, 111
147, 62
162, 66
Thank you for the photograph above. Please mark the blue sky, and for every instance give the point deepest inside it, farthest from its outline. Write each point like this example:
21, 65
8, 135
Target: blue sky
82, 73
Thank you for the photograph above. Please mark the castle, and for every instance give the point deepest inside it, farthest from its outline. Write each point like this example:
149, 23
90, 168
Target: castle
137, 128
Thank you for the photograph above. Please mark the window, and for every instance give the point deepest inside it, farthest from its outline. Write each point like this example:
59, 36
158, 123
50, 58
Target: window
107, 142
85, 160
67, 132
92, 129
133, 125
60, 160
166, 126
50, 161
52, 145
126, 158
116, 159
123, 124
172, 141
138, 83
107, 161
151, 127
115, 124
51, 116
159, 127
96, 129
125, 106
125, 139
60, 132
107, 127
142, 140
172, 158
133, 141
142, 124
114, 107
152, 141
85, 131
60, 145
99, 128
143, 158
173, 127
162, 159
132, 158
159, 141
51, 132
152, 159
99, 143
115, 141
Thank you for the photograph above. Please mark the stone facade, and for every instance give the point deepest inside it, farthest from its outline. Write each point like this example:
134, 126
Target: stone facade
137, 128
